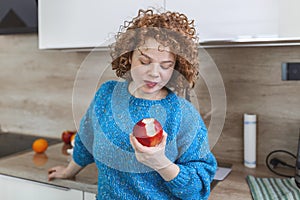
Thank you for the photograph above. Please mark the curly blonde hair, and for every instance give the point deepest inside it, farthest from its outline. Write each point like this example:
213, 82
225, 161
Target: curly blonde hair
170, 29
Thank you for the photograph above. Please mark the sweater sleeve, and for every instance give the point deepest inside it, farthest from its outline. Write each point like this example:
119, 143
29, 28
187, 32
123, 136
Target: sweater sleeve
83, 149
82, 153
197, 167
84, 141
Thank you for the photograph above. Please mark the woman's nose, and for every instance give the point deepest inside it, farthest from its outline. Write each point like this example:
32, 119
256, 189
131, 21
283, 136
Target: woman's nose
154, 69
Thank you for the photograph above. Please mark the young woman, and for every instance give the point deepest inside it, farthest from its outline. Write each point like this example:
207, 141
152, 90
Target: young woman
157, 56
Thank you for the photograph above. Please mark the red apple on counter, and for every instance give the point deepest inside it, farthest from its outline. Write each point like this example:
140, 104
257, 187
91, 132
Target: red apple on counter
148, 132
66, 136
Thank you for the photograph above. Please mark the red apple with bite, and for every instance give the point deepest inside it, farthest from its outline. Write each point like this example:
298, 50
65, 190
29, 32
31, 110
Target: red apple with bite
66, 136
148, 132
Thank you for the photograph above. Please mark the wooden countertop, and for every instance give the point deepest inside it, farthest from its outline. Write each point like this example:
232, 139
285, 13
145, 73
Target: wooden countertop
235, 186
34, 167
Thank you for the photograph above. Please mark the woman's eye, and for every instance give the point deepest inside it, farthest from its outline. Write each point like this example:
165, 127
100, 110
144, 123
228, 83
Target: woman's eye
166, 66
145, 62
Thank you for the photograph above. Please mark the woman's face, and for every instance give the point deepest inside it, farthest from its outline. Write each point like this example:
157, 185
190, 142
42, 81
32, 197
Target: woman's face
152, 66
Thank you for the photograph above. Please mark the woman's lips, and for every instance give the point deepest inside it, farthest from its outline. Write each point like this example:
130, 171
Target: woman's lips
150, 84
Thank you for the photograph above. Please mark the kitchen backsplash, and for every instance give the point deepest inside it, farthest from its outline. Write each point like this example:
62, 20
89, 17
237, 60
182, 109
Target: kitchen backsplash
36, 92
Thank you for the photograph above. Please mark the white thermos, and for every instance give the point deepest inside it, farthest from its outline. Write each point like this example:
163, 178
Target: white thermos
250, 140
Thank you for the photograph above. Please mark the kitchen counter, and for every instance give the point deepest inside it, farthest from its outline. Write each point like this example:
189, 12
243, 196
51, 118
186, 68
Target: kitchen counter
34, 167
235, 186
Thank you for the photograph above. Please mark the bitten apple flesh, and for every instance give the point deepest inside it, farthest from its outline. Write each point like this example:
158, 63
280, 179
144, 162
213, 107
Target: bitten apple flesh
148, 132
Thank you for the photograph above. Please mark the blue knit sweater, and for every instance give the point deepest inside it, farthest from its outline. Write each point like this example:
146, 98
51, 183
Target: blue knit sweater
104, 139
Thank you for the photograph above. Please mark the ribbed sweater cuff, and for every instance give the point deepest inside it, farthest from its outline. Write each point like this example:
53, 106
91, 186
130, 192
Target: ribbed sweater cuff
180, 180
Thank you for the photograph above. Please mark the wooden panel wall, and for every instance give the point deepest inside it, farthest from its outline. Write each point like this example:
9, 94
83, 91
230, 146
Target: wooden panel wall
36, 86
252, 78
36, 93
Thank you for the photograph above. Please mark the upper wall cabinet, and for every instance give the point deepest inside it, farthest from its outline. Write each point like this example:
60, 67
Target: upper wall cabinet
92, 23
289, 18
230, 19
88, 23
247, 20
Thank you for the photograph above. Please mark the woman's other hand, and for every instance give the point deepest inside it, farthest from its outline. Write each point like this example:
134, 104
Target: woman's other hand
57, 172
64, 172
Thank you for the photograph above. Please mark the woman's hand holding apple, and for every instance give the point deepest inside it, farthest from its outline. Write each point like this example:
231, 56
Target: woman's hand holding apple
149, 142
153, 157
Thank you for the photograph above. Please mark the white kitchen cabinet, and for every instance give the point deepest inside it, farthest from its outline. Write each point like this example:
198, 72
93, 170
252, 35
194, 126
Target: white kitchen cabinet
89, 196
230, 19
89, 23
250, 20
15, 189
92, 23
289, 18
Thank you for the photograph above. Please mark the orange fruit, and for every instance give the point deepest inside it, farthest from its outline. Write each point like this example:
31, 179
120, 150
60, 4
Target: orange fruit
73, 140
40, 145
73, 137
